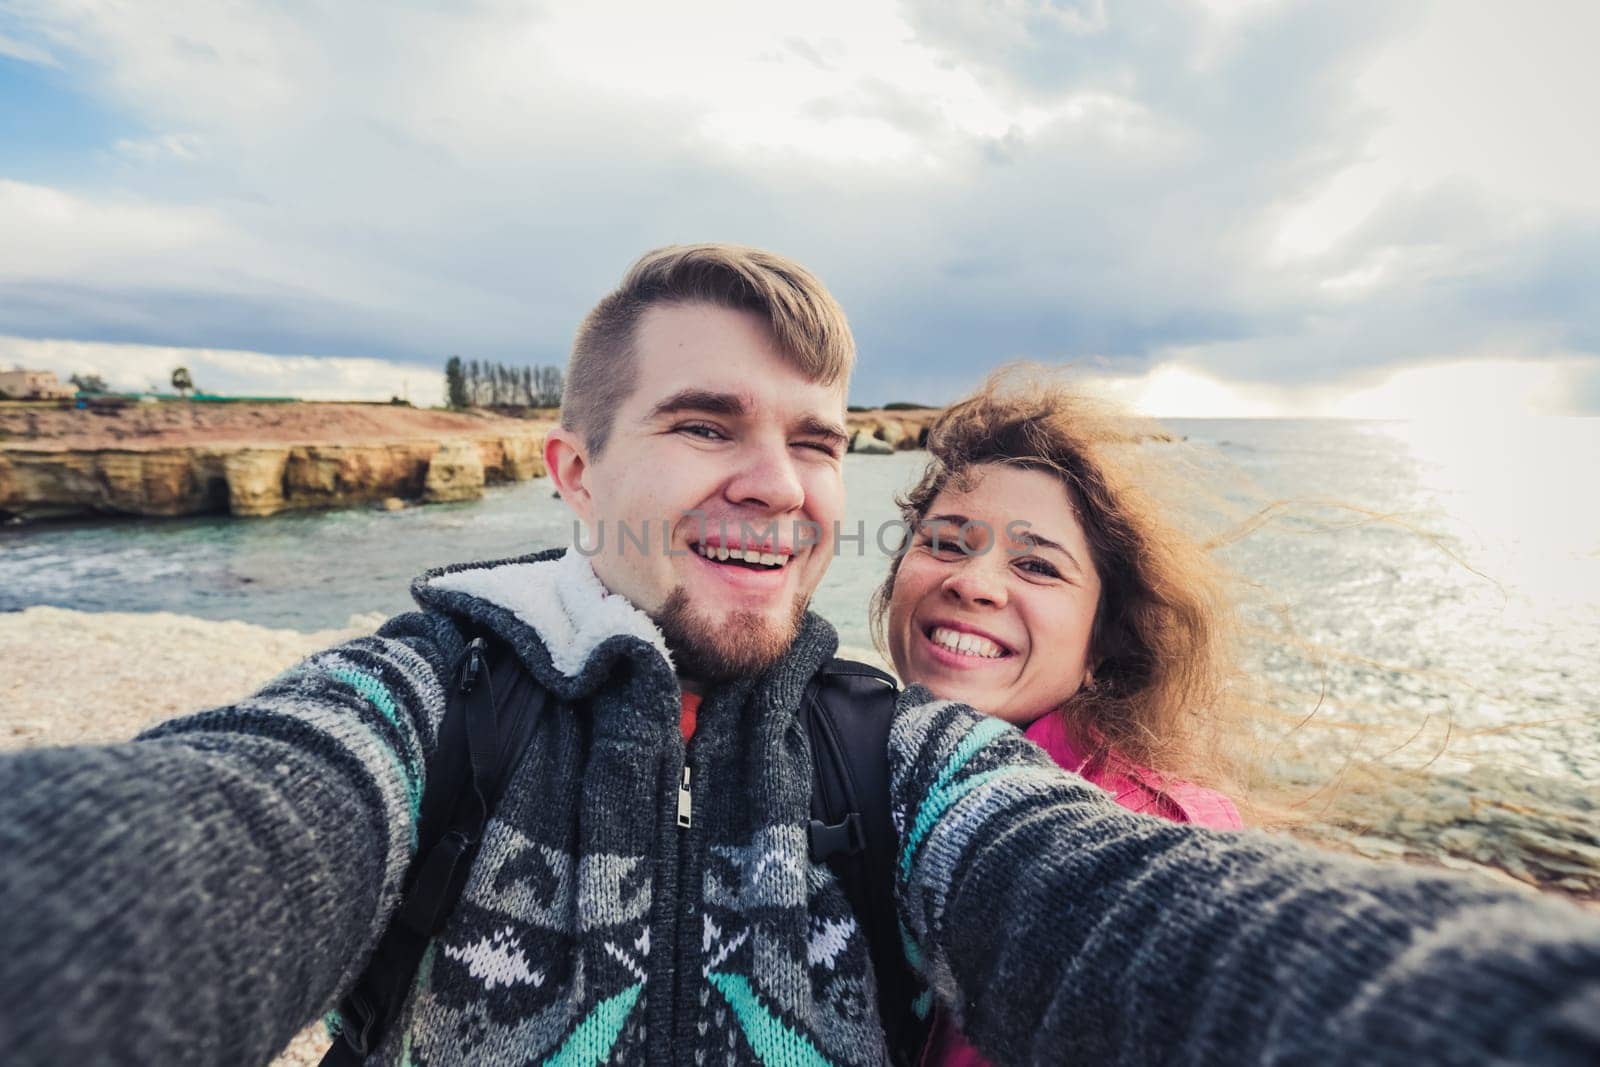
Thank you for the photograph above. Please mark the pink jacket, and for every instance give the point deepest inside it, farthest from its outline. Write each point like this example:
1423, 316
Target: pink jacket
1135, 788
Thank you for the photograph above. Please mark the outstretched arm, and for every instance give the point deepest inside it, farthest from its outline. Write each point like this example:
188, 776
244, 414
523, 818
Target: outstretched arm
199, 894
1061, 928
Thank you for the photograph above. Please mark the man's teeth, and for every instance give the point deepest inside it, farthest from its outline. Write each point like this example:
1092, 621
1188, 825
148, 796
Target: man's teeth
966, 644
722, 553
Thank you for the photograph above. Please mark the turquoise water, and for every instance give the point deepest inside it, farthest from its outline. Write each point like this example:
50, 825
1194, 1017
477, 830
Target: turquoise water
1468, 587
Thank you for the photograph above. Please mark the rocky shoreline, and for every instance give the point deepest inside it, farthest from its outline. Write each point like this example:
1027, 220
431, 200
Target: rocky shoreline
257, 459
252, 460
879, 432
250, 480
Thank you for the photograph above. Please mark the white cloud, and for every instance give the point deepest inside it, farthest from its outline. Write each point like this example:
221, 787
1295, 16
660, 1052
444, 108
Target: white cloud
1476, 94
235, 63
1501, 96
27, 53
1471, 391
53, 233
174, 145
1318, 221
1463, 391
1267, 189
149, 368
1176, 391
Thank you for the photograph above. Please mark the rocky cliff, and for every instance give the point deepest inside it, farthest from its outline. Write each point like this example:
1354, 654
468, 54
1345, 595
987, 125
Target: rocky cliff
41, 482
878, 432
190, 459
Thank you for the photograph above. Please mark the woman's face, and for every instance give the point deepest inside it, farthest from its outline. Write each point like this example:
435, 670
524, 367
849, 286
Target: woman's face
994, 601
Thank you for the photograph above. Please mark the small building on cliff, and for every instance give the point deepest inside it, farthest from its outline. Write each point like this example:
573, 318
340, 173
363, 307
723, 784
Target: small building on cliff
20, 384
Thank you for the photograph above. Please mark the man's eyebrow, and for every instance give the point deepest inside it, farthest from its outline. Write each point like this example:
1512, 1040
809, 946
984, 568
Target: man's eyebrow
815, 426
733, 405
704, 400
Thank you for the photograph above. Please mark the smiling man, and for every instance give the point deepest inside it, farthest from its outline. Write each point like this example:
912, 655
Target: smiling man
644, 892
720, 467
701, 447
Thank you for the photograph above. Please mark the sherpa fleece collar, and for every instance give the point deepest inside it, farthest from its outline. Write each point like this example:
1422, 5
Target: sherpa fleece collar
565, 625
573, 634
564, 603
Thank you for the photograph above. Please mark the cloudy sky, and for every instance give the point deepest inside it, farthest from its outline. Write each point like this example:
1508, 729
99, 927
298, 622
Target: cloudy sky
1213, 208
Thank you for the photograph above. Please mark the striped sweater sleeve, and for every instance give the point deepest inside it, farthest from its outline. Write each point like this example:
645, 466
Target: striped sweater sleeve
1059, 928
199, 894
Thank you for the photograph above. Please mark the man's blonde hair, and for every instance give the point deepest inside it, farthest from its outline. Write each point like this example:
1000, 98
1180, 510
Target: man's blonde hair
808, 326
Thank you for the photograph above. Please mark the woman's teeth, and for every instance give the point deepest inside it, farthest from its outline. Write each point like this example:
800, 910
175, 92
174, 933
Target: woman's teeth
721, 553
965, 644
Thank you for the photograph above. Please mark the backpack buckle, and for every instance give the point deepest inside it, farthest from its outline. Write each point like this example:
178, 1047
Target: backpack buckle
826, 841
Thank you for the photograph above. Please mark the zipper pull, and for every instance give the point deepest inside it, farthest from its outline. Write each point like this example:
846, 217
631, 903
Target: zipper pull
684, 800
474, 664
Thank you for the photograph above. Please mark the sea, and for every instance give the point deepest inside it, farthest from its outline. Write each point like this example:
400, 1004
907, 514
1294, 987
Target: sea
1437, 578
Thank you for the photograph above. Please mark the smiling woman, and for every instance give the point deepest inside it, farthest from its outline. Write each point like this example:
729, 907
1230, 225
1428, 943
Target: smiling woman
1041, 588
1042, 585
993, 606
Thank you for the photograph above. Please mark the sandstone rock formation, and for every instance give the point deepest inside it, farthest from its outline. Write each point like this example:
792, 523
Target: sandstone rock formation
330, 476
47, 484
512, 459
899, 430
456, 472
892, 432
255, 479
250, 480
865, 443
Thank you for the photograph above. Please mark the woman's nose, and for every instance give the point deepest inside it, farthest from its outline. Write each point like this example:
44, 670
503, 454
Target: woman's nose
976, 581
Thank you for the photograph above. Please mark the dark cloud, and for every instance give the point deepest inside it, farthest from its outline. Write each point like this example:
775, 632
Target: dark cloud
1130, 210
1062, 248
187, 318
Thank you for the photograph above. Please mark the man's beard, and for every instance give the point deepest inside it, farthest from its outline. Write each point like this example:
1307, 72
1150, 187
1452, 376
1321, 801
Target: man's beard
734, 646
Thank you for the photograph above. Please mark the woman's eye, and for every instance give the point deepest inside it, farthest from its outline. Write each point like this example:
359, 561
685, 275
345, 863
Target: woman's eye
943, 545
1039, 567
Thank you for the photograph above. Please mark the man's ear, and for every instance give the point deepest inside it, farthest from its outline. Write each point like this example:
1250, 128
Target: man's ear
566, 458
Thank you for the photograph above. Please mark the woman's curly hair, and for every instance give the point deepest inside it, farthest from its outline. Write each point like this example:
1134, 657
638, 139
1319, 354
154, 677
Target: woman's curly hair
1160, 644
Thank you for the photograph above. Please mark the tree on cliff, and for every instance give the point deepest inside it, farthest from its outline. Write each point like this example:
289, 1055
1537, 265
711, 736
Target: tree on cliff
181, 381
475, 384
455, 383
548, 394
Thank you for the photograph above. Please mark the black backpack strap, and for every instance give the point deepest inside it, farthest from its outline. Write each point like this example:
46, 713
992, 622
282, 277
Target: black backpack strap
847, 710
478, 749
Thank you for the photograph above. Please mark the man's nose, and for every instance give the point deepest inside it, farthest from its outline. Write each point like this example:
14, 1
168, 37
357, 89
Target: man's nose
977, 580
767, 479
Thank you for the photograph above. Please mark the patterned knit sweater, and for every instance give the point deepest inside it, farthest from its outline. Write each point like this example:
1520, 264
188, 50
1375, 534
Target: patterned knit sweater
197, 895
